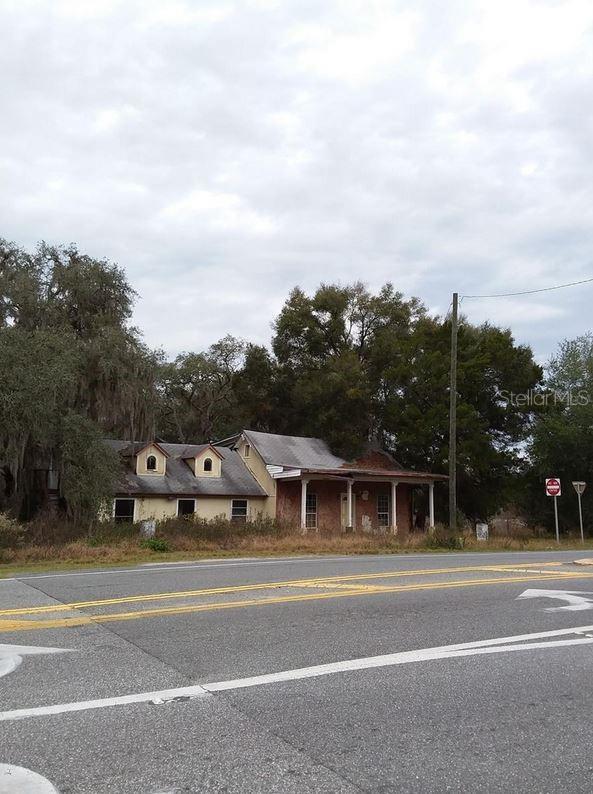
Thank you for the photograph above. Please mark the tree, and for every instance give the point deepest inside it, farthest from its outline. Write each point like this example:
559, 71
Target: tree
331, 351
562, 443
88, 468
355, 366
67, 348
198, 392
491, 428
255, 388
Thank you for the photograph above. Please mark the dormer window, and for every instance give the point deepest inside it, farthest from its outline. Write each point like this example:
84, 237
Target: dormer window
208, 464
151, 463
246, 450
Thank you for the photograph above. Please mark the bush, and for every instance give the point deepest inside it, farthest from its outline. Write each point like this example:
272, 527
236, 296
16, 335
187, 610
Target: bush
443, 538
219, 529
155, 544
12, 533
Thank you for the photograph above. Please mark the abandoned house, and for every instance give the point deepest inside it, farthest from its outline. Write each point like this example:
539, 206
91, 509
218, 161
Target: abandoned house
297, 480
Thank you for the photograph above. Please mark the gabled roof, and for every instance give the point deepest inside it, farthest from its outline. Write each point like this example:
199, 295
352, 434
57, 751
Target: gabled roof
179, 480
312, 455
293, 451
140, 446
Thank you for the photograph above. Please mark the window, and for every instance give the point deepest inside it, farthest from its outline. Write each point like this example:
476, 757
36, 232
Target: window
247, 450
383, 510
208, 464
186, 507
311, 511
239, 510
123, 511
151, 463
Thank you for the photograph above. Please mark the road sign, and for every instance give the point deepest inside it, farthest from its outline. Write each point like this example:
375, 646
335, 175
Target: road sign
580, 488
553, 487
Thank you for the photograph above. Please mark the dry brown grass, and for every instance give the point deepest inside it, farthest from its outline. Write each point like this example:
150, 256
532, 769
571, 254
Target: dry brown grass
55, 545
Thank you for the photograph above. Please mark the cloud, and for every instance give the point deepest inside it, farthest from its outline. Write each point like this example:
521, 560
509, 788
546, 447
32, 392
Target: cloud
223, 152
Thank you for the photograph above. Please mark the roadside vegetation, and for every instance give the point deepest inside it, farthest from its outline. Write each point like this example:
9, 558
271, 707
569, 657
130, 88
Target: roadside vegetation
55, 544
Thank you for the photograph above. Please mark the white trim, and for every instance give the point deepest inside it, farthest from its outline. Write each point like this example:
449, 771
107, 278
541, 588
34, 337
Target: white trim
394, 506
284, 473
304, 484
382, 495
308, 512
247, 507
431, 505
349, 501
271, 469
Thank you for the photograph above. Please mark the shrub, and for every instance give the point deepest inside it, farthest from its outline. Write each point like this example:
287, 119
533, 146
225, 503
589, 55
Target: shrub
155, 544
12, 533
443, 538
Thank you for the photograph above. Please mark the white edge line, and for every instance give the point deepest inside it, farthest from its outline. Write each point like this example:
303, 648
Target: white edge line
85, 705
168, 567
406, 657
479, 647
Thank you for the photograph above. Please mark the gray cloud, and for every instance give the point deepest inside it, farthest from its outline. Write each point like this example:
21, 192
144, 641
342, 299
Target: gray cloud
223, 152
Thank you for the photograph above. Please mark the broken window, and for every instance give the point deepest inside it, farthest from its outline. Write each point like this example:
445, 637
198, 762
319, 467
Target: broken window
239, 510
123, 511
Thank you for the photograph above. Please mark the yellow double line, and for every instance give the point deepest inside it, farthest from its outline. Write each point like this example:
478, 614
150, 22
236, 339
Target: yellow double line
317, 581
336, 584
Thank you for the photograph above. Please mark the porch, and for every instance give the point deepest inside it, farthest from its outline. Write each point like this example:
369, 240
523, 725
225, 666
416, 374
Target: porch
316, 501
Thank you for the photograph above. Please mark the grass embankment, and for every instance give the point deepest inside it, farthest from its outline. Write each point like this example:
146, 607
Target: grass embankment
54, 546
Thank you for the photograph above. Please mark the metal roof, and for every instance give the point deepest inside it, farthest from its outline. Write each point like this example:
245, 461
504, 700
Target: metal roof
293, 451
179, 479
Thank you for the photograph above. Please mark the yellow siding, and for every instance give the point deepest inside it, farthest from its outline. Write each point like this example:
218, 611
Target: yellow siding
208, 507
154, 507
216, 464
161, 462
221, 507
258, 468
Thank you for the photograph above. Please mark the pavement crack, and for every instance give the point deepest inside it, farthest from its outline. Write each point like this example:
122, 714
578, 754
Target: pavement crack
109, 629
288, 743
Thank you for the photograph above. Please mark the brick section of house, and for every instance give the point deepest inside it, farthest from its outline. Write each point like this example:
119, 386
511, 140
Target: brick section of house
288, 503
373, 460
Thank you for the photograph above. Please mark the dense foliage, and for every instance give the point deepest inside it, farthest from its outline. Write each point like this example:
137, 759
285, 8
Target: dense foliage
344, 364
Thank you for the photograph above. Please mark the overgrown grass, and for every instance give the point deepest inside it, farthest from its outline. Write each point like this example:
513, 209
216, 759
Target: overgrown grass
56, 545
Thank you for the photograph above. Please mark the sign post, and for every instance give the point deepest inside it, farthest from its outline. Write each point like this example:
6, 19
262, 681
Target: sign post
580, 489
553, 488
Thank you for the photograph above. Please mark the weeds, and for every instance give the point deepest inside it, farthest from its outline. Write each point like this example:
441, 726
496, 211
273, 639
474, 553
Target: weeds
155, 544
57, 542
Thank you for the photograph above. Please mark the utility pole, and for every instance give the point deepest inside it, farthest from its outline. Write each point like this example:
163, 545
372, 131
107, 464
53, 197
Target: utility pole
453, 418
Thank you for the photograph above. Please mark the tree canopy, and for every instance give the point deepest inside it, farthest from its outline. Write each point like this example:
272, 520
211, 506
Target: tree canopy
345, 364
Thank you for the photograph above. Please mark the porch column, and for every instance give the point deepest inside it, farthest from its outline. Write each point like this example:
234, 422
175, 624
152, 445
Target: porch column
304, 484
430, 506
394, 507
349, 503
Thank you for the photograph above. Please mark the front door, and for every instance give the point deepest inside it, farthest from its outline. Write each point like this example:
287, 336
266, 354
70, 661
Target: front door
344, 509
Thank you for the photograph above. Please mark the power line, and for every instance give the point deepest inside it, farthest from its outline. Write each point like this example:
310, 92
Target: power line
531, 291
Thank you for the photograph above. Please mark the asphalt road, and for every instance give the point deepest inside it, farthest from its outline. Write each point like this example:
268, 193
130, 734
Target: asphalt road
331, 674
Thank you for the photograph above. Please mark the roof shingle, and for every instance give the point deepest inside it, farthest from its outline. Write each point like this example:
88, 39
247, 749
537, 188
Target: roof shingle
179, 480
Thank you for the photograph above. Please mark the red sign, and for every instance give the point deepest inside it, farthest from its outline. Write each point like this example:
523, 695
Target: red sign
553, 487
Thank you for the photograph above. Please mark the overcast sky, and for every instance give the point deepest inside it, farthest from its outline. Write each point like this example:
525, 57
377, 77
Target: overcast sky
223, 152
